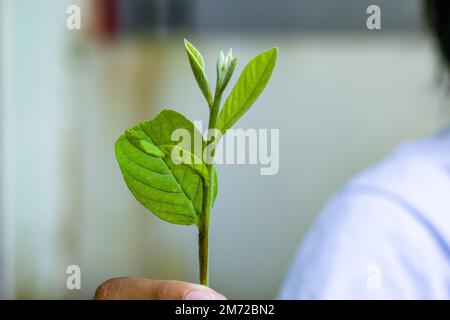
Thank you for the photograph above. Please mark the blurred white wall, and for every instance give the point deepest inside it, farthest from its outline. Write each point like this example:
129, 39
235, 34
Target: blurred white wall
32, 134
6, 223
341, 102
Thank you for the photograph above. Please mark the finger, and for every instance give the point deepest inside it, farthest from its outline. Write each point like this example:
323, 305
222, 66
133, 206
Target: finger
129, 288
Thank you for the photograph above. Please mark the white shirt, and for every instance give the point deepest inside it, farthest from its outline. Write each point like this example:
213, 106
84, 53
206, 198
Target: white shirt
386, 235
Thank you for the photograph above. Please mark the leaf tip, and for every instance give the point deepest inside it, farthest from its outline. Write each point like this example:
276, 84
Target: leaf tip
274, 51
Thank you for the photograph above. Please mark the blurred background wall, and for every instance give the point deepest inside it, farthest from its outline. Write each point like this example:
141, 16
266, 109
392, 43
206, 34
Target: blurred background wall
342, 96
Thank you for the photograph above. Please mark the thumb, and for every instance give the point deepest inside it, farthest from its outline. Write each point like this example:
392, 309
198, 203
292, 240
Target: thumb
129, 288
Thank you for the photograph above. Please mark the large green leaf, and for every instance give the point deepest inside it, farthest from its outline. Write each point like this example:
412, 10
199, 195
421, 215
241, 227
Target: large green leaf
198, 68
173, 192
249, 86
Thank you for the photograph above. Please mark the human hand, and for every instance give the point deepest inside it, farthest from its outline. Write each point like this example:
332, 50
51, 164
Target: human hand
129, 288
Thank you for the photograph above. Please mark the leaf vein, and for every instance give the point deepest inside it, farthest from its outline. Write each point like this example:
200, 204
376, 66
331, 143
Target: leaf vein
152, 187
161, 202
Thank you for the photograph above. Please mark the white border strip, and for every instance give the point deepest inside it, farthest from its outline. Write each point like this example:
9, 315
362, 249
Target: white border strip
7, 225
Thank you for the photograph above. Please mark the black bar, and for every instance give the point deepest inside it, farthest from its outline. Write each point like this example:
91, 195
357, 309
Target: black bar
238, 309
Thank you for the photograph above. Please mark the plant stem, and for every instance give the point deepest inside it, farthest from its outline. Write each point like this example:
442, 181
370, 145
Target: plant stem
203, 236
203, 227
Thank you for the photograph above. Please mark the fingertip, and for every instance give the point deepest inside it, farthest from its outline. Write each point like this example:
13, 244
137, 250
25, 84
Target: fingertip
206, 294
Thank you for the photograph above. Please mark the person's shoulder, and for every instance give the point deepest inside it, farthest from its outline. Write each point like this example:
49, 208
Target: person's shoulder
415, 177
409, 188
419, 167
395, 216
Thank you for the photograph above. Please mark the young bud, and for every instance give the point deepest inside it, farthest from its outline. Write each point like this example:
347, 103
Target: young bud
225, 68
220, 61
229, 57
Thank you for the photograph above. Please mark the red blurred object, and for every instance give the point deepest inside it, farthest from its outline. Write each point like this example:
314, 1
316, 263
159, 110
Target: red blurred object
106, 17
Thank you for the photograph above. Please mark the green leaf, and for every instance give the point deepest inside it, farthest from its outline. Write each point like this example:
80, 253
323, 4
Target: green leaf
249, 86
215, 187
198, 68
173, 192
183, 157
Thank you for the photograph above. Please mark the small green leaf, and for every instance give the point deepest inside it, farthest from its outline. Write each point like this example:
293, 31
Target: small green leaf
198, 68
171, 191
215, 187
183, 157
138, 138
249, 86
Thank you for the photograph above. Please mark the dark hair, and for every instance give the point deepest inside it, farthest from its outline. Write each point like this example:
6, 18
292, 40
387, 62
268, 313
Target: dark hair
437, 14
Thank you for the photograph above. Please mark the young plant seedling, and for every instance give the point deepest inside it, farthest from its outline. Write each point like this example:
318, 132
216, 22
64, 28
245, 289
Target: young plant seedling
178, 181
